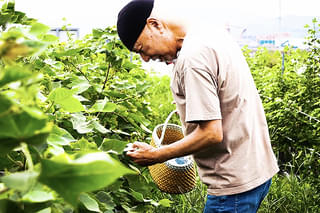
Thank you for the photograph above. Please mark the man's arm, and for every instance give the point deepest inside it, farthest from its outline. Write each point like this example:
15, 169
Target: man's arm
206, 134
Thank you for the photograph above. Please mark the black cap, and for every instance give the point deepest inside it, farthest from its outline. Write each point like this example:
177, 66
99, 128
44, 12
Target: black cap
132, 20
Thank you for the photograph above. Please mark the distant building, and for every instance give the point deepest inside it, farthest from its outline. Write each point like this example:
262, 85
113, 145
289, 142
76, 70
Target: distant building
269, 32
64, 33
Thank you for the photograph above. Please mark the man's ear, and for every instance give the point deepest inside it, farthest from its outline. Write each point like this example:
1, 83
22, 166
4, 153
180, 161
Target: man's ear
155, 23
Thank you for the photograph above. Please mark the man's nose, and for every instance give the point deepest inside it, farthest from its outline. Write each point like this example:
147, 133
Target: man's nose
144, 57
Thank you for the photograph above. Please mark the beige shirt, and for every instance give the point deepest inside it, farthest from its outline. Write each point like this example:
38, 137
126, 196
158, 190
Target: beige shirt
211, 80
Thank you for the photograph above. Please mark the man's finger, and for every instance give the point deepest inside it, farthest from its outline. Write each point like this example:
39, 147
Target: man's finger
137, 144
131, 153
129, 147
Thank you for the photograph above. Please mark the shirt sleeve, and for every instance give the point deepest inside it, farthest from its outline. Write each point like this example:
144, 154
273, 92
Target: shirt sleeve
201, 93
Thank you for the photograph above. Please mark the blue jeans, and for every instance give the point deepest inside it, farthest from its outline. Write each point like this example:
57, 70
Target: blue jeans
246, 202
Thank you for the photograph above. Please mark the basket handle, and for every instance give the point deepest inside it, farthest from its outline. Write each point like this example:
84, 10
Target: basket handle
165, 126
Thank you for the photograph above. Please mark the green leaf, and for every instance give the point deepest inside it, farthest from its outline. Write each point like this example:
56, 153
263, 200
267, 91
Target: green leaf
109, 107
57, 65
90, 203
134, 209
12, 33
69, 52
87, 173
38, 196
119, 131
99, 127
80, 97
113, 144
38, 29
46, 210
103, 106
37, 46
135, 181
165, 202
115, 186
84, 145
116, 94
21, 181
21, 125
59, 136
106, 199
80, 123
138, 196
12, 74
97, 33
54, 150
139, 118
79, 84
34, 112
49, 38
65, 99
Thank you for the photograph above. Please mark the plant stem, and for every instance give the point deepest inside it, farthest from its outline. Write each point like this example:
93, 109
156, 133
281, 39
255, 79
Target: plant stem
121, 100
109, 66
18, 163
79, 70
25, 150
47, 110
105, 81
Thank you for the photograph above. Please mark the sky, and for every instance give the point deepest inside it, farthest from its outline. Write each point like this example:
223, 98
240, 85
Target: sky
89, 14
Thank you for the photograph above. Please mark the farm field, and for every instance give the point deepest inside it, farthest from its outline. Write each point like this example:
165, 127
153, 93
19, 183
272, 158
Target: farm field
68, 109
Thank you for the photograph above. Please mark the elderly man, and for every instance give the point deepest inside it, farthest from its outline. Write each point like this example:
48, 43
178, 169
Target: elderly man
219, 106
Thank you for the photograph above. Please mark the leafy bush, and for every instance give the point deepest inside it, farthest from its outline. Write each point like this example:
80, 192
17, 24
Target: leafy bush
292, 191
67, 112
289, 84
161, 100
291, 194
289, 94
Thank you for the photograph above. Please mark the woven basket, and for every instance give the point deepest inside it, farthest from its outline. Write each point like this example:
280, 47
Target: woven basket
175, 176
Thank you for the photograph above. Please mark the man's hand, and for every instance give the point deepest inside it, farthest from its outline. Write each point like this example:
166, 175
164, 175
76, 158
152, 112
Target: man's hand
143, 154
207, 134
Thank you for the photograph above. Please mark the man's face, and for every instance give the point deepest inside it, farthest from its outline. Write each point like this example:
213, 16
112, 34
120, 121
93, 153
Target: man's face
156, 43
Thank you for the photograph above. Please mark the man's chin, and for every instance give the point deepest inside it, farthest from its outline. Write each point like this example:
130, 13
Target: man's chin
171, 61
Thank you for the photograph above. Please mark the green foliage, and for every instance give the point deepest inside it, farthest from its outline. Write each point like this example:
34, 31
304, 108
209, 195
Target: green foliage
21, 124
290, 194
294, 191
191, 202
70, 177
8, 15
290, 94
160, 98
64, 98
68, 109
67, 112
